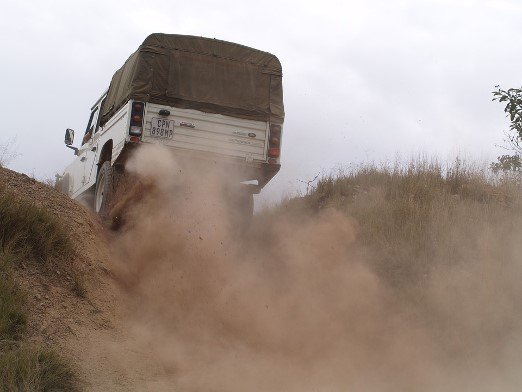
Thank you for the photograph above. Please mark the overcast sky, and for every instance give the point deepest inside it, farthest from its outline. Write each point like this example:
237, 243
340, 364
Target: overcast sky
363, 80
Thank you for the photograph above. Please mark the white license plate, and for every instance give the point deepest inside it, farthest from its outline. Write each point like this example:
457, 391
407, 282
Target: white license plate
161, 127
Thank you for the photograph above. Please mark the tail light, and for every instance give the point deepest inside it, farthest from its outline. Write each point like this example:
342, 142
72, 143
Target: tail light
274, 152
274, 141
136, 119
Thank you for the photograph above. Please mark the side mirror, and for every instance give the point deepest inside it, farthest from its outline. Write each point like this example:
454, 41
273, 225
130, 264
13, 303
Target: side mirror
69, 139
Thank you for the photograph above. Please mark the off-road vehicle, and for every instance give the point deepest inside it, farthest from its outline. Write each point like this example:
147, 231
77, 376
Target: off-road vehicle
210, 99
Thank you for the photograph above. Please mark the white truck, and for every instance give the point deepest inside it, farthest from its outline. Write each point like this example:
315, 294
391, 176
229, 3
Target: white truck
210, 98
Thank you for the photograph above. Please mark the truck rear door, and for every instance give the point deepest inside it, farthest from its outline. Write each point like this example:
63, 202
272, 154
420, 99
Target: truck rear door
189, 129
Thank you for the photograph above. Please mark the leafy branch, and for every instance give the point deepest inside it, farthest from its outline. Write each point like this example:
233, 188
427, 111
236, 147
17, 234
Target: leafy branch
513, 109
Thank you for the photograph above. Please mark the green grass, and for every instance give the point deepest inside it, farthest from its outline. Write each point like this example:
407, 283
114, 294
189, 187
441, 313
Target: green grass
29, 231
13, 315
30, 369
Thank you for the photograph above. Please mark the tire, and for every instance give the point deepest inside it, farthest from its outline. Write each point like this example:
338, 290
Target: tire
104, 191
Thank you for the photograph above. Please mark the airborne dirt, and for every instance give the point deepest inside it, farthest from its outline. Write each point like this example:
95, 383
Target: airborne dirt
181, 299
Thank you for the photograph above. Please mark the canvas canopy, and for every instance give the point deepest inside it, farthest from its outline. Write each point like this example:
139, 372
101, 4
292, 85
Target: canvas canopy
200, 73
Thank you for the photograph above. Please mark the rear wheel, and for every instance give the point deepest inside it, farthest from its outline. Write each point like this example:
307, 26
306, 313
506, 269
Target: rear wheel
104, 191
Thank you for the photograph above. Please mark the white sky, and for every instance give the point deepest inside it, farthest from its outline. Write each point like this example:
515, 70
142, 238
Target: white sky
363, 80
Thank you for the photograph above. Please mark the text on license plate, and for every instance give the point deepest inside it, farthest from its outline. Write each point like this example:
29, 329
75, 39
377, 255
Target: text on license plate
161, 127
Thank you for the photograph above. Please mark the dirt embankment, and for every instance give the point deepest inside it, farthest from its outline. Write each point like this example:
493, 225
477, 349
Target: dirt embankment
69, 300
51, 285
381, 280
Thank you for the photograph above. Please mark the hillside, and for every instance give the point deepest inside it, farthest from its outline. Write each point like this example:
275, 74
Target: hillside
66, 294
378, 279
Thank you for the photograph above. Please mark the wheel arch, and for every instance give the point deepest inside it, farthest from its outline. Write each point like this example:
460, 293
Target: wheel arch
105, 154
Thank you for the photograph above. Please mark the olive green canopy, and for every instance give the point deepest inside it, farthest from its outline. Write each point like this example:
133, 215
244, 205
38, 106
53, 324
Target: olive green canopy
200, 73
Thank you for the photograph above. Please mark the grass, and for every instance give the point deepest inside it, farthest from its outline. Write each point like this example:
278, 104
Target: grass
25, 368
13, 315
416, 217
29, 231
30, 369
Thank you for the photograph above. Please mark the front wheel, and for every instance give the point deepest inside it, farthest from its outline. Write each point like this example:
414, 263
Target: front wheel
104, 190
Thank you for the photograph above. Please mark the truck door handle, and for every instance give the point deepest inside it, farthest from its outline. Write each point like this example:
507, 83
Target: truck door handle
83, 159
93, 149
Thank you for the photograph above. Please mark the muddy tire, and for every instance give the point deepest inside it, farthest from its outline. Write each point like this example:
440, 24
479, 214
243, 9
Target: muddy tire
104, 190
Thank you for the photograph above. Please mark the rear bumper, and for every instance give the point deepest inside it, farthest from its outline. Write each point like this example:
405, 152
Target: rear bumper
263, 172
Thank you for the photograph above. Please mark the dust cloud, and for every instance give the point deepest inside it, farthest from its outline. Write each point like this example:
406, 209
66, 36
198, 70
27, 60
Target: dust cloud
293, 302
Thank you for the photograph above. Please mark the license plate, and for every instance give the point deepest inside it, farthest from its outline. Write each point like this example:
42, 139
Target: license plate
161, 127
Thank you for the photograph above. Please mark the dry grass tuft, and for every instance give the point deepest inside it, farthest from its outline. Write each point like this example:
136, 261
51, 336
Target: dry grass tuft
23, 368
27, 230
13, 317
29, 369
418, 216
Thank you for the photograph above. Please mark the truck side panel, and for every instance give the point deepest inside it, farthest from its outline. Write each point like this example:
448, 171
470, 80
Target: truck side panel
117, 130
